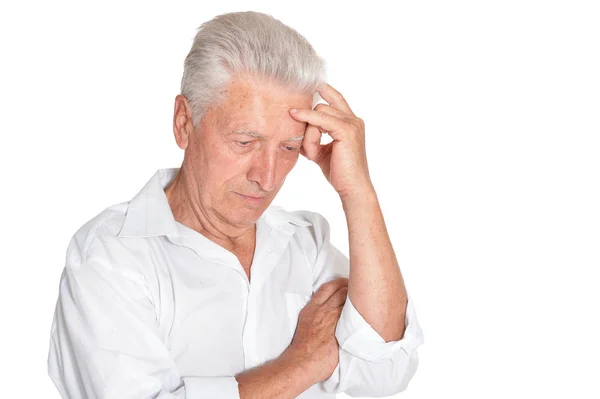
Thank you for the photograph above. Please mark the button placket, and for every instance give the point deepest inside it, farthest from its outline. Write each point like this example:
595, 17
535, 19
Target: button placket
249, 336
252, 357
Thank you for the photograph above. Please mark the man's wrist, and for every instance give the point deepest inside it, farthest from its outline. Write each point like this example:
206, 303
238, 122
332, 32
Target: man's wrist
286, 376
300, 365
363, 196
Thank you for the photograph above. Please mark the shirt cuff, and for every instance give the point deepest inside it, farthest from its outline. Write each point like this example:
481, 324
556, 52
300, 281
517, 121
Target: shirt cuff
211, 387
356, 336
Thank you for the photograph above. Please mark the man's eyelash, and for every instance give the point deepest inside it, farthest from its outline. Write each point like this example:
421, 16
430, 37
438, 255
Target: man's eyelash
246, 144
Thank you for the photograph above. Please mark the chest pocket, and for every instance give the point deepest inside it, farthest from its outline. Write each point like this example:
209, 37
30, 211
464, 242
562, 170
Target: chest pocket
293, 278
294, 303
296, 289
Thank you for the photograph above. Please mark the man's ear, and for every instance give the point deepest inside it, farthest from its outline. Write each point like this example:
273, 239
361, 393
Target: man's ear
183, 124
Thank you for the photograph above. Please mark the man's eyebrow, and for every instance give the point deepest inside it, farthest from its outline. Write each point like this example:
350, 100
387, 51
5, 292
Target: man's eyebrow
297, 138
249, 133
260, 136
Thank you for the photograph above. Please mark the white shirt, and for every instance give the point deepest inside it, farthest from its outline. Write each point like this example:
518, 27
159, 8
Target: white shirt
150, 308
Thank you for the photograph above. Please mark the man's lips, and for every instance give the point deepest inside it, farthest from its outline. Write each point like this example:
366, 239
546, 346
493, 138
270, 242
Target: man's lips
250, 196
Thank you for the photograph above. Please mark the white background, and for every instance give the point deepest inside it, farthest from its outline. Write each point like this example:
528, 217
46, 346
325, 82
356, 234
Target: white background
483, 124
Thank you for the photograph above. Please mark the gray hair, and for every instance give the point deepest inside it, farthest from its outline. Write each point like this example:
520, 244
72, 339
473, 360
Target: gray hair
247, 43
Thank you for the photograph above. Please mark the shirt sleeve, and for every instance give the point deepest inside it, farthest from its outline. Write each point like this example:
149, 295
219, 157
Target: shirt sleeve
368, 365
104, 341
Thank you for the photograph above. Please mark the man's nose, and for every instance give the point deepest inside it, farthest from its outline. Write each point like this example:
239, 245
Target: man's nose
264, 169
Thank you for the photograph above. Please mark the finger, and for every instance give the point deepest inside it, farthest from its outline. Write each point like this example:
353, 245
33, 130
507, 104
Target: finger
321, 157
334, 98
335, 284
331, 111
338, 298
303, 152
329, 288
311, 142
330, 123
311, 145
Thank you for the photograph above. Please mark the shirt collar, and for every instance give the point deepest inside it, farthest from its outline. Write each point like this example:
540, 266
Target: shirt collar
149, 213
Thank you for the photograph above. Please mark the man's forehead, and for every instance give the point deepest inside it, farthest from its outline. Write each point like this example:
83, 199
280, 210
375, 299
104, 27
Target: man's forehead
243, 124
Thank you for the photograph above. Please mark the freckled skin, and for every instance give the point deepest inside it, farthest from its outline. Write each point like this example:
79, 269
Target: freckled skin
218, 164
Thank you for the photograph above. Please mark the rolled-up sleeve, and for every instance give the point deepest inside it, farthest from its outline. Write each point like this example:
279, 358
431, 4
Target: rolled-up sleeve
368, 365
211, 387
105, 342
357, 337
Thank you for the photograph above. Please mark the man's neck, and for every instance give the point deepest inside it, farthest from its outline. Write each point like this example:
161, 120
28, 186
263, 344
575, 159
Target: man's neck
190, 213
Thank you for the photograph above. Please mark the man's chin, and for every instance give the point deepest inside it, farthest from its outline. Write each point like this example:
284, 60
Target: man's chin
247, 213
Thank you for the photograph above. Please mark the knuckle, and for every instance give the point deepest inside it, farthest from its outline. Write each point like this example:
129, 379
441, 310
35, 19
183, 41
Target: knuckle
359, 123
329, 283
335, 282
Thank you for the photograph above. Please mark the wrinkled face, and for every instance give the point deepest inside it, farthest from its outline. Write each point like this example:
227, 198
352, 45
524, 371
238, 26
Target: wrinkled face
244, 148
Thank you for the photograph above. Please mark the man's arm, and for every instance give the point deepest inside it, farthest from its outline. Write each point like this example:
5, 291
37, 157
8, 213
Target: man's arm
368, 364
283, 377
377, 330
376, 287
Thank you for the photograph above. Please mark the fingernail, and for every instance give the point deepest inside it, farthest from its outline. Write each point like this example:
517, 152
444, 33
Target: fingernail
293, 110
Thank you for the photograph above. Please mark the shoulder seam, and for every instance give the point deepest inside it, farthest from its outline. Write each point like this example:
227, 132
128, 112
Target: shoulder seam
92, 236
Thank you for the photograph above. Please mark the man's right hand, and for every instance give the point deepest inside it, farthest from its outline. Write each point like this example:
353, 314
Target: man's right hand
314, 340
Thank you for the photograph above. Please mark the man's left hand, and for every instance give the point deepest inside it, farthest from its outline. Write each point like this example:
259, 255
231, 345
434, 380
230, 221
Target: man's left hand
344, 160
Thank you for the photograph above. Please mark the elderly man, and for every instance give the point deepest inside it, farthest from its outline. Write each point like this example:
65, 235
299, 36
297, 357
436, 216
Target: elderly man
199, 288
